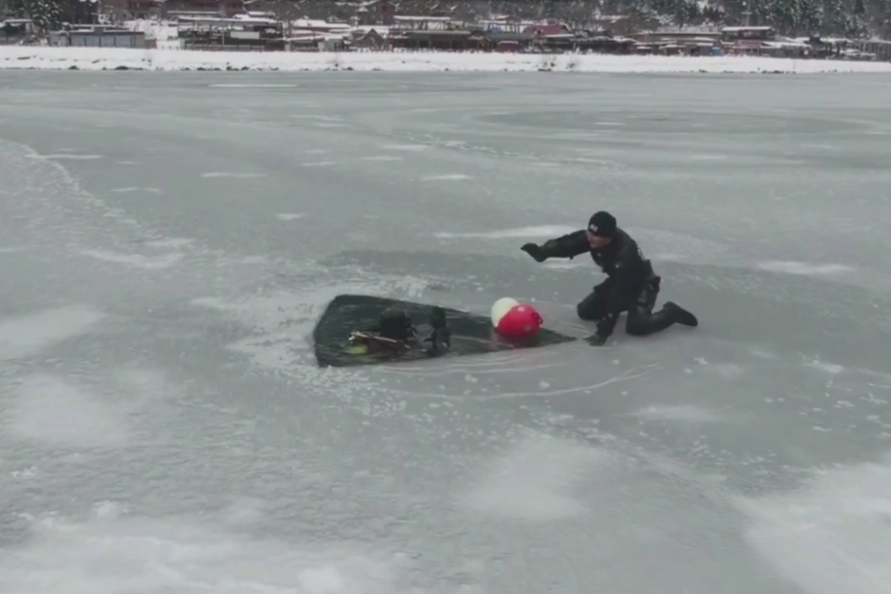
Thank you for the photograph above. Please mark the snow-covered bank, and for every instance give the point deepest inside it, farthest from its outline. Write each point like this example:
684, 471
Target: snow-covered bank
57, 58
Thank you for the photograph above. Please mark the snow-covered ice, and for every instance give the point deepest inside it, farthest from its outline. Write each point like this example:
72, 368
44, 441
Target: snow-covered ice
28, 334
534, 479
52, 411
447, 177
230, 175
837, 519
164, 427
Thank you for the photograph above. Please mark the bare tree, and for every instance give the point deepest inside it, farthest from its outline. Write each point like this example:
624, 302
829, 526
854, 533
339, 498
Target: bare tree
578, 14
287, 11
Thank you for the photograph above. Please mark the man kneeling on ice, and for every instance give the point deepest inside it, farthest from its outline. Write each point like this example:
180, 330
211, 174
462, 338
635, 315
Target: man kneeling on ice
631, 284
395, 336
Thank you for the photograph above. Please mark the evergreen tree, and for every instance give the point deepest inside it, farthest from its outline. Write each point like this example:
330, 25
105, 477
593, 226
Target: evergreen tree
811, 13
47, 15
16, 9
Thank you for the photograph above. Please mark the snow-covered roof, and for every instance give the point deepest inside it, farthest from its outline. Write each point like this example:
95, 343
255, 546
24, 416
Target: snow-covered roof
785, 44
365, 29
422, 19
309, 23
738, 29
317, 24
311, 36
87, 30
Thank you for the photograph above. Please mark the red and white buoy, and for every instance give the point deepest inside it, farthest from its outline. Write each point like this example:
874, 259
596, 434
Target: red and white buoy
513, 319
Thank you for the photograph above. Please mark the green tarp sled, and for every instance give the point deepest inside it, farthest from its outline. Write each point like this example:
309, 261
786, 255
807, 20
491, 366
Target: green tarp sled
470, 334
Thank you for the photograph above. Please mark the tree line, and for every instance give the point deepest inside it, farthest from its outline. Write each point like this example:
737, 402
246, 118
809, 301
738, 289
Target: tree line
796, 18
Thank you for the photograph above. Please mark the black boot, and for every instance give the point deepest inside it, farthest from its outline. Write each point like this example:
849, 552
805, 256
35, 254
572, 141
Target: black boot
680, 315
643, 323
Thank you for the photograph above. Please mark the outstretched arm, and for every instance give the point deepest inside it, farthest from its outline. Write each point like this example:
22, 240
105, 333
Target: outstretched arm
567, 246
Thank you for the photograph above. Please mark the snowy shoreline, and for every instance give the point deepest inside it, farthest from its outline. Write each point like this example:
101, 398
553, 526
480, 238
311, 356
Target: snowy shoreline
67, 58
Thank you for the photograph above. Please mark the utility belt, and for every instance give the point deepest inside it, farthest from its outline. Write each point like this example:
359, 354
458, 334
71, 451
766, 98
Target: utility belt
651, 280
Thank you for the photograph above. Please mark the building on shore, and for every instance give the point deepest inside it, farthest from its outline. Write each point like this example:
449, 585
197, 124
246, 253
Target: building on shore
13, 31
98, 36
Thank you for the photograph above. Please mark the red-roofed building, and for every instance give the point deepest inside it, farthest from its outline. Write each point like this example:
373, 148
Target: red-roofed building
547, 30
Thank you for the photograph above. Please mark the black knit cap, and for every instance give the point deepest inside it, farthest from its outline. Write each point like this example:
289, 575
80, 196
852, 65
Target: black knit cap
602, 224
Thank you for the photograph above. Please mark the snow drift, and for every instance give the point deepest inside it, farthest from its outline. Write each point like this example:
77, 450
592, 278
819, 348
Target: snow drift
67, 58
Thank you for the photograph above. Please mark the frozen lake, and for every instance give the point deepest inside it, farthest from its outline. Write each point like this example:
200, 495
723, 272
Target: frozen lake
168, 241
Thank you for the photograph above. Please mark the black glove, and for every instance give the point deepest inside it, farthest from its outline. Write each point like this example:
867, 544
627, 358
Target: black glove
596, 340
607, 324
534, 251
438, 318
605, 328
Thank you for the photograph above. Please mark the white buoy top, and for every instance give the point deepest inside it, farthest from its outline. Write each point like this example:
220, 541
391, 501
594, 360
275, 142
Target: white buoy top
501, 307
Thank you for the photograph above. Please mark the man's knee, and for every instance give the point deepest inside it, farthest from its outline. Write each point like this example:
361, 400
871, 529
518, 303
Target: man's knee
591, 307
586, 311
636, 324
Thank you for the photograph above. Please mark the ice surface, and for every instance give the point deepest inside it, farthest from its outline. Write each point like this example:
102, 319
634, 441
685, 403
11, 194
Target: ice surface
113, 552
230, 174
130, 189
447, 177
832, 534
530, 481
290, 216
55, 58
543, 231
71, 156
382, 158
804, 268
29, 334
48, 409
165, 427
685, 413
135, 260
